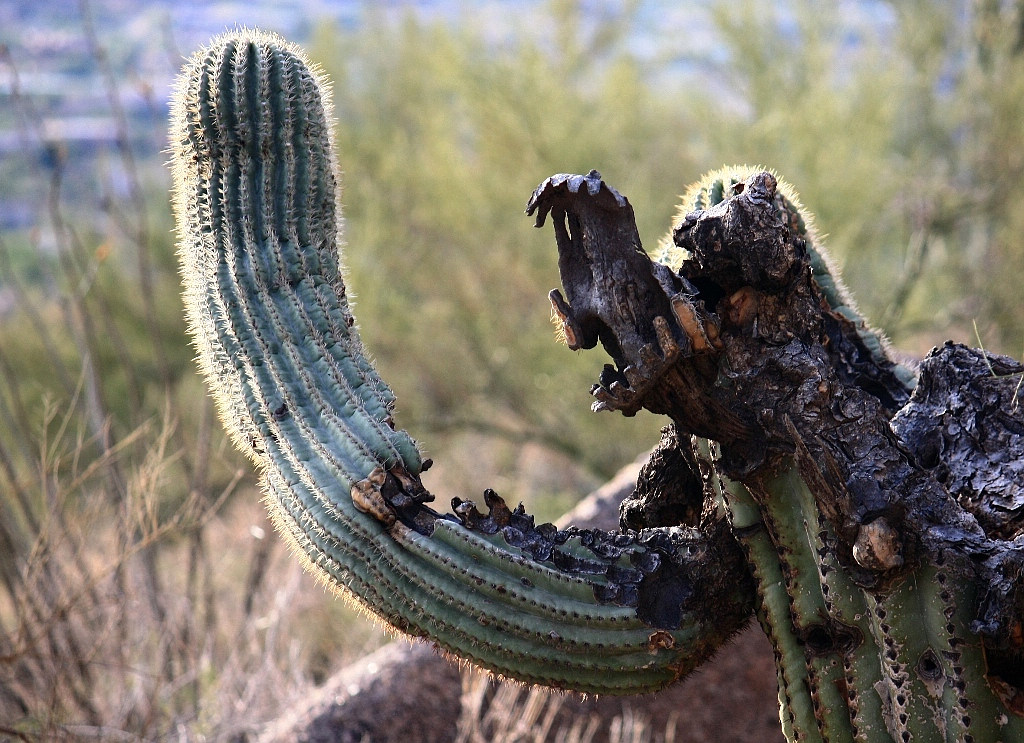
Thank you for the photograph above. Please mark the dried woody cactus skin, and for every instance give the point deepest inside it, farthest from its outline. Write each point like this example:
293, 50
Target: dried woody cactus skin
795, 483
894, 613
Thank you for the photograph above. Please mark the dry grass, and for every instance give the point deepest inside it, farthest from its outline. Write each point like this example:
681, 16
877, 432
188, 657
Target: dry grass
513, 713
121, 622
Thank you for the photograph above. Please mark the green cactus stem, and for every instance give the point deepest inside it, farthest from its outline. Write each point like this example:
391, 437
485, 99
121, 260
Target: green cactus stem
869, 514
255, 198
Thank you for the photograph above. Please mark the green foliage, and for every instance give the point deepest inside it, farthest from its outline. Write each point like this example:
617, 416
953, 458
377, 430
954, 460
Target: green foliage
85, 340
903, 135
441, 141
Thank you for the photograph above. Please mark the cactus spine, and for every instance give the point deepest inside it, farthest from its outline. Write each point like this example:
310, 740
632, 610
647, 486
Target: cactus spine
255, 185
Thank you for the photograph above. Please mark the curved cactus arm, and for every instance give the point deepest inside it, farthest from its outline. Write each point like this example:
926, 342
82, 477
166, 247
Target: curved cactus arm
256, 203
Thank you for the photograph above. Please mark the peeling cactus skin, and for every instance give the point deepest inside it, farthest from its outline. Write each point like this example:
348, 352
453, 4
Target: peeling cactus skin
871, 520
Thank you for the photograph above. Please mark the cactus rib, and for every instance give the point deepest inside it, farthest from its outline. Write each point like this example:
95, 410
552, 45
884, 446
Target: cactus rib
796, 708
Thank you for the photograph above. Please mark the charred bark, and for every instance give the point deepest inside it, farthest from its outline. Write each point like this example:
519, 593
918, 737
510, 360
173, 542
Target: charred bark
740, 346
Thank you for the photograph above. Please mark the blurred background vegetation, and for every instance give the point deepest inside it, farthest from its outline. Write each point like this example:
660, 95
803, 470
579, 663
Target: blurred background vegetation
141, 594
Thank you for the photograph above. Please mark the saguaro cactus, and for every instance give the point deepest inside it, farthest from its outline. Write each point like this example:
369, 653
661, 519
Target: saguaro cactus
872, 529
